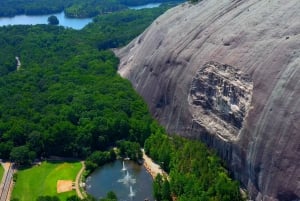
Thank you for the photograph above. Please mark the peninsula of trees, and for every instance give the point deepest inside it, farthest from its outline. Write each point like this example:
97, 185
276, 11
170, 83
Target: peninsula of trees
72, 8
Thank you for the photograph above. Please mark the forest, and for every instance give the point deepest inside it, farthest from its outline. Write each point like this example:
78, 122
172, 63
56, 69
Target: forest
195, 172
72, 8
66, 99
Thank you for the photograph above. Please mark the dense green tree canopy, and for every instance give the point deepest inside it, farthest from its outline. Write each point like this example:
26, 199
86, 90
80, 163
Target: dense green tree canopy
75, 198
110, 196
195, 172
47, 198
53, 20
72, 8
67, 98
131, 150
22, 155
98, 158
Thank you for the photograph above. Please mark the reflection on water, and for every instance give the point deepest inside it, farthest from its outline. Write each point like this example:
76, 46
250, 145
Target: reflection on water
128, 180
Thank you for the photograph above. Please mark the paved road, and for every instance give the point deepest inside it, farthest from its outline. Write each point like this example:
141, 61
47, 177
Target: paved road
7, 181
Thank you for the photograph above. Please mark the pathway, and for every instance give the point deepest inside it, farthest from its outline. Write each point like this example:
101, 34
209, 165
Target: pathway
18, 63
78, 181
153, 168
6, 183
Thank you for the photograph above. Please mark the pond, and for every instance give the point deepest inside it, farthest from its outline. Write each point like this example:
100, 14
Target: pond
75, 23
130, 181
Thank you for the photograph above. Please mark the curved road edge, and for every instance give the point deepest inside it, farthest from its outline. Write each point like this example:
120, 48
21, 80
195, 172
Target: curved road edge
7, 181
78, 181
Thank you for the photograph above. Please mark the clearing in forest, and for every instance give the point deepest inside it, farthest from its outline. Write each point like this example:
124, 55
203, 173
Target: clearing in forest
42, 180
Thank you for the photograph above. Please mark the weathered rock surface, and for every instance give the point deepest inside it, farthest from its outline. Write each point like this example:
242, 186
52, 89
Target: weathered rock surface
228, 72
220, 98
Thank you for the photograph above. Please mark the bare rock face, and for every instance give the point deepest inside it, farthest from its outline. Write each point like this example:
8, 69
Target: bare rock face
220, 98
227, 72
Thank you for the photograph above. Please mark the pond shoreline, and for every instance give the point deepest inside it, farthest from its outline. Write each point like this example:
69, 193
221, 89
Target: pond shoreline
64, 20
126, 178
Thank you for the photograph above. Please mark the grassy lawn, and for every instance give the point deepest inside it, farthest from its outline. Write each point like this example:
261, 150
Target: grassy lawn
41, 180
1, 172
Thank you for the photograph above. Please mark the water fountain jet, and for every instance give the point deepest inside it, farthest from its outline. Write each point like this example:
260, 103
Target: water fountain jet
110, 177
131, 194
127, 179
124, 168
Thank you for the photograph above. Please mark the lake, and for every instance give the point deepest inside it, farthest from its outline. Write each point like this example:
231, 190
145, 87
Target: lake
150, 5
74, 23
130, 181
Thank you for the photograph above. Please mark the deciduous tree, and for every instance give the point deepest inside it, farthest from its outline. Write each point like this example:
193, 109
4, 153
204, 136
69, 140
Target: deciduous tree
53, 20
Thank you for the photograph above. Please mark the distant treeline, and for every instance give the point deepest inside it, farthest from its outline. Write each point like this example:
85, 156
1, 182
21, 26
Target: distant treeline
72, 8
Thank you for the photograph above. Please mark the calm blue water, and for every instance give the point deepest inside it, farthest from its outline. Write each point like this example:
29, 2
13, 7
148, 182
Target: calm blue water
150, 5
110, 177
74, 23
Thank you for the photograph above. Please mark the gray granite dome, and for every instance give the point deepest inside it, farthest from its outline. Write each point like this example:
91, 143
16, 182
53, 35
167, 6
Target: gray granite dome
227, 72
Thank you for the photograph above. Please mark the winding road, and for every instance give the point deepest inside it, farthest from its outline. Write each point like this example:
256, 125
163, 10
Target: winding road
77, 182
7, 181
18, 63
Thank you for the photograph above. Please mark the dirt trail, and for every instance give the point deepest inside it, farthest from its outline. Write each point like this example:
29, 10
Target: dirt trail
153, 168
18, 63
